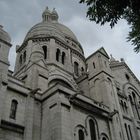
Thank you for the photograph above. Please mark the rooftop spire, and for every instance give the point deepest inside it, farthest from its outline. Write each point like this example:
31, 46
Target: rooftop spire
112, 58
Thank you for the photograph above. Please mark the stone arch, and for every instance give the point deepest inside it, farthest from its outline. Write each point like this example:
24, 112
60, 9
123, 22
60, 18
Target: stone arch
133, 95
87, 121
96, 80
63, 78
104, 136
64, 83
77, 128
37, 48
130, 86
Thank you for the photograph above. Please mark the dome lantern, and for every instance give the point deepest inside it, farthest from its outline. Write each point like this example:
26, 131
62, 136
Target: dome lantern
46, 16
54, 15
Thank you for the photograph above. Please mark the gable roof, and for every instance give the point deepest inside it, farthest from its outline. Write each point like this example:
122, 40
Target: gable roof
100, 50
123, 64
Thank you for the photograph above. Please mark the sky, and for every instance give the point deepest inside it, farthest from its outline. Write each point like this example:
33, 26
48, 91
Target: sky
18, 16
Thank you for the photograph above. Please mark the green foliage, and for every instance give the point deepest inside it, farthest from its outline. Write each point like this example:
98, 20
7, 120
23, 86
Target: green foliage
110, 11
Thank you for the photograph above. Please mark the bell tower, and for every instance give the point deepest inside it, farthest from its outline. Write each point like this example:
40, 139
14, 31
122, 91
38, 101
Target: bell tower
100, 78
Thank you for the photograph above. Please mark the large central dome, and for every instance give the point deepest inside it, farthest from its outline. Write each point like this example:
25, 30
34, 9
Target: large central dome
44, 29
50, 27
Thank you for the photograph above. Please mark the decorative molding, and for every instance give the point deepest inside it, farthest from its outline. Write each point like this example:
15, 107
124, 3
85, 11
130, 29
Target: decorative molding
7, 43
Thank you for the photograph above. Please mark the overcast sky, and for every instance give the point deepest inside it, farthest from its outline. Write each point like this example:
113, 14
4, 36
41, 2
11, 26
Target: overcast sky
18, 16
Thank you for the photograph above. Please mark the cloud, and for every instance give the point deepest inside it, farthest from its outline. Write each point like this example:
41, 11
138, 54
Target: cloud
19, 16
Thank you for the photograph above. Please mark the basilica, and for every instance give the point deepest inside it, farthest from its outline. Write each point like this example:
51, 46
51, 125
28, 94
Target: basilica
56, 93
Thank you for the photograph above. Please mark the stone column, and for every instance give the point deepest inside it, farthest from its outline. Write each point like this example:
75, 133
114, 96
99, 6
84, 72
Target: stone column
2, 99
133, 122
52, 50
120, 116
3, 88
29, 116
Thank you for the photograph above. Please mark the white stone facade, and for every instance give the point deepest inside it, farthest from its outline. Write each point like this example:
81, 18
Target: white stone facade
55, 93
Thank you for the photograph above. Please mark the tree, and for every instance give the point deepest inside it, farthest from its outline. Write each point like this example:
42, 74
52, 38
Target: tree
111, 11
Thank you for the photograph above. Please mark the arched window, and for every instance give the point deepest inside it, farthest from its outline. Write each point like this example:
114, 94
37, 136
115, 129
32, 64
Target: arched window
122, 105
24, 56
81, 134
136, 112
133, 94
104, 138
13, 109
92, 129
127, 77
76, 67
130, 132
63, 58
57, 55
82, 70
130, 98
20, 60
125, 106
45, 51
126, 131
93, 65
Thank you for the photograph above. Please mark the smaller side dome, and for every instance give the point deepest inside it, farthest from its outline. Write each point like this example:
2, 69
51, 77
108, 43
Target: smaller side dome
54, 15
46, 16
4, 35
